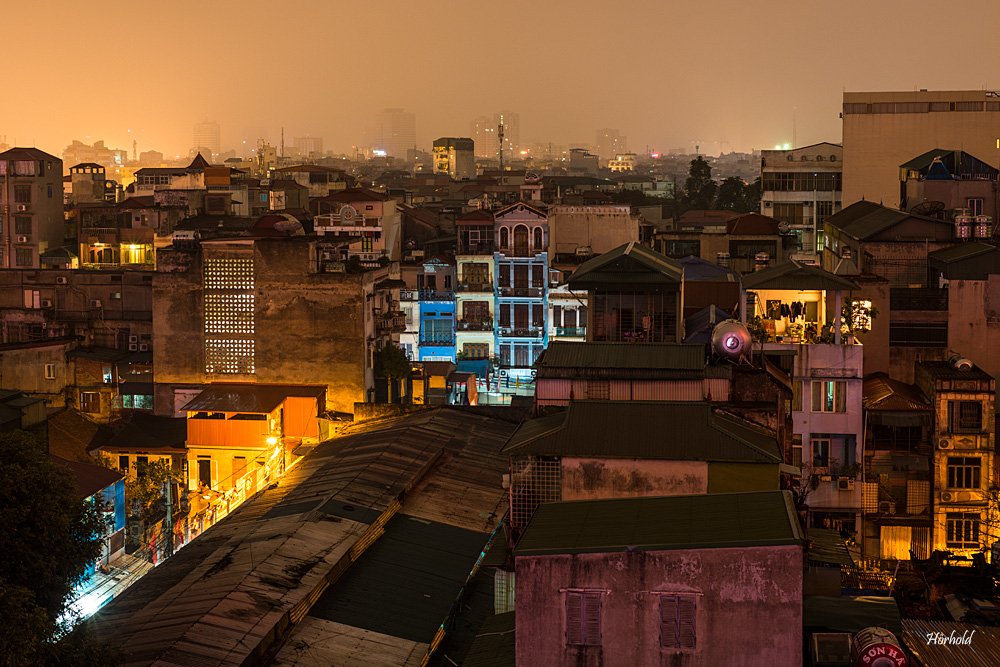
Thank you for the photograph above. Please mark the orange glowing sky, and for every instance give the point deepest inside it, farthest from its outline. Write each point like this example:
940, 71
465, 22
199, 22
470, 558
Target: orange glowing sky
725, 74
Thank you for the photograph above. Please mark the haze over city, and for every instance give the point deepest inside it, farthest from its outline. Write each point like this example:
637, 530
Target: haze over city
726, 76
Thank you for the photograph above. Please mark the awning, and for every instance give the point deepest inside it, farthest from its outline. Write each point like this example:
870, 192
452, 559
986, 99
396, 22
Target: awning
899, 417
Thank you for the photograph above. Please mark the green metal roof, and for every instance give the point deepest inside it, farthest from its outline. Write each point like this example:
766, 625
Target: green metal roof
865, 219
961, 251
828, 547
683, 431
792, 275
707, 521
674, 356
631, 264
494, 645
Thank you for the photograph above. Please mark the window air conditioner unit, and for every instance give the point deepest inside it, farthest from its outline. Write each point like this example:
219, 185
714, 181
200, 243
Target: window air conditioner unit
22, 239
133, 347
143, 347
947, 496
944, 443
116, 295
964, 497
133, 339
46, 303
60, 280
886, 507
845, 484
21, 208
95, 303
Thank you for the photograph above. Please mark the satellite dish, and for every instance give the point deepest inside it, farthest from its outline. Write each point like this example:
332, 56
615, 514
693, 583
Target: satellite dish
531, 177
783, 227
929, 208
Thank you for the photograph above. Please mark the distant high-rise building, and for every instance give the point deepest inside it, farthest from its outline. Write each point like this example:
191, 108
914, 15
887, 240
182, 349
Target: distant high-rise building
610, 142
395, 132
454, 156
309, 146
483, 132
207, 138
511, 132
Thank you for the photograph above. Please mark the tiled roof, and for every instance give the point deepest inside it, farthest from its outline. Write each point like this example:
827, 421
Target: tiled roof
880, 392
26, 153
90, 478
706, 521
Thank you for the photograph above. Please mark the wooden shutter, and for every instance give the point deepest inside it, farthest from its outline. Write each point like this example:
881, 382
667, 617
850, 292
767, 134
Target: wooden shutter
841, 390
582, 310
817, 392
557, 316
669, 623
574, 618
592, 618
537, 315
686, 617
797, 395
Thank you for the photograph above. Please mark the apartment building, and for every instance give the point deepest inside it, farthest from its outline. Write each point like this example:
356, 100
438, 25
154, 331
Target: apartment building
31, 201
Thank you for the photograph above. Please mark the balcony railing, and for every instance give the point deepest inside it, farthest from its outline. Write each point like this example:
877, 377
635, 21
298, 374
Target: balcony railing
476, 287
482, 248
391, 321
577, 332
442, 339
532, 292
519, 252
521, 332
437, 295
474, 326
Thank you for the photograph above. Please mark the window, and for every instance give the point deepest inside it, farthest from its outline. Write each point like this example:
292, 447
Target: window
797, 395
583, 618
239, 468
50, 371
797, 450
918, 334
23, 256
678, 621
504, 237
598, 389
32, 298
22, 193
829, 396
964, 472
538, 238
123, 462
963, 530
790, 213
476, 350
22, 225
537, 275
824, 209
90, 401
975, 205
820, 452
965, 416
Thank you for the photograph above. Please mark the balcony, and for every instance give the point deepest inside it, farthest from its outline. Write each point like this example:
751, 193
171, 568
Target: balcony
437, 295
474, 326
393, 321
571, 332
481, 288
521, 332
529, 292
520, 252
438, 339
481, 248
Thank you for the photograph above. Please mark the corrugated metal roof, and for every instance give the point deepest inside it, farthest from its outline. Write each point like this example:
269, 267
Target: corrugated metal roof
881, 392
646, 430
705, 521
143, 430
255, 398
675, 356
961, 251
225, 596
942, 370
925, 159
494, 645
983, 649
90, 478
792, 275
850, 613
631, 263
828, 547
865, 219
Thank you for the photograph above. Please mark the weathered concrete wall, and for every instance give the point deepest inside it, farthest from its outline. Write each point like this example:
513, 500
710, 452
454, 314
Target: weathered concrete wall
621, 478
308, 327
749, 607
23, 369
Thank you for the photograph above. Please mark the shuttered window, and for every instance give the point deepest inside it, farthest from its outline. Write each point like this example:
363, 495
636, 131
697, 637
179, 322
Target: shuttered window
677, 621
583, 618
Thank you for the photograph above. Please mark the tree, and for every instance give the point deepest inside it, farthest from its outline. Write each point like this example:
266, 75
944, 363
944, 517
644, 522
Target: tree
751, 196
699, 189
48, 538
391, 362
856, 316
732, 195
144, 490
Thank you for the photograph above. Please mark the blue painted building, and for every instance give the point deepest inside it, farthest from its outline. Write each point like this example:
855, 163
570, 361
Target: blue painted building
436, 293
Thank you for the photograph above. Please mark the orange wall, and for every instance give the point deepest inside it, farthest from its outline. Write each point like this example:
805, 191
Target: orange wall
234, 433
300, 417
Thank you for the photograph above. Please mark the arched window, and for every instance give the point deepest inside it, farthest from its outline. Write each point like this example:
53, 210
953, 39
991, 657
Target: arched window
538, 239
504, 237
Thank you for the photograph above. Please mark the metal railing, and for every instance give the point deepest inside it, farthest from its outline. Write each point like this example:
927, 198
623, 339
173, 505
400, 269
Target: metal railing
436, 295
521, 332
437, 339
571, 331
918, 298
531, 292
474, 326
475, 287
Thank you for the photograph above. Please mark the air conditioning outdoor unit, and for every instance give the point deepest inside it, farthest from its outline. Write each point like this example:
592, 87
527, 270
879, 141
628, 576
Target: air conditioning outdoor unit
133, 347
46, 303
60, 280
964, 496
22, 239
133, 339
886, 507
845, 484
143, 347
21, 208
947, 496
944, 443
95, 303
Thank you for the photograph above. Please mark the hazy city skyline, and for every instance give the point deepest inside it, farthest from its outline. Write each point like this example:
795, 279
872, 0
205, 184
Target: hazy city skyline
726, 77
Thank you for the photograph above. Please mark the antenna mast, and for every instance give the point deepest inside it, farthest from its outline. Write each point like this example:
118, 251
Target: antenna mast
500, 144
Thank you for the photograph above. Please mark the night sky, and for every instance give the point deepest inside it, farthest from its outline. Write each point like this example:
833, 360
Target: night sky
724, 74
